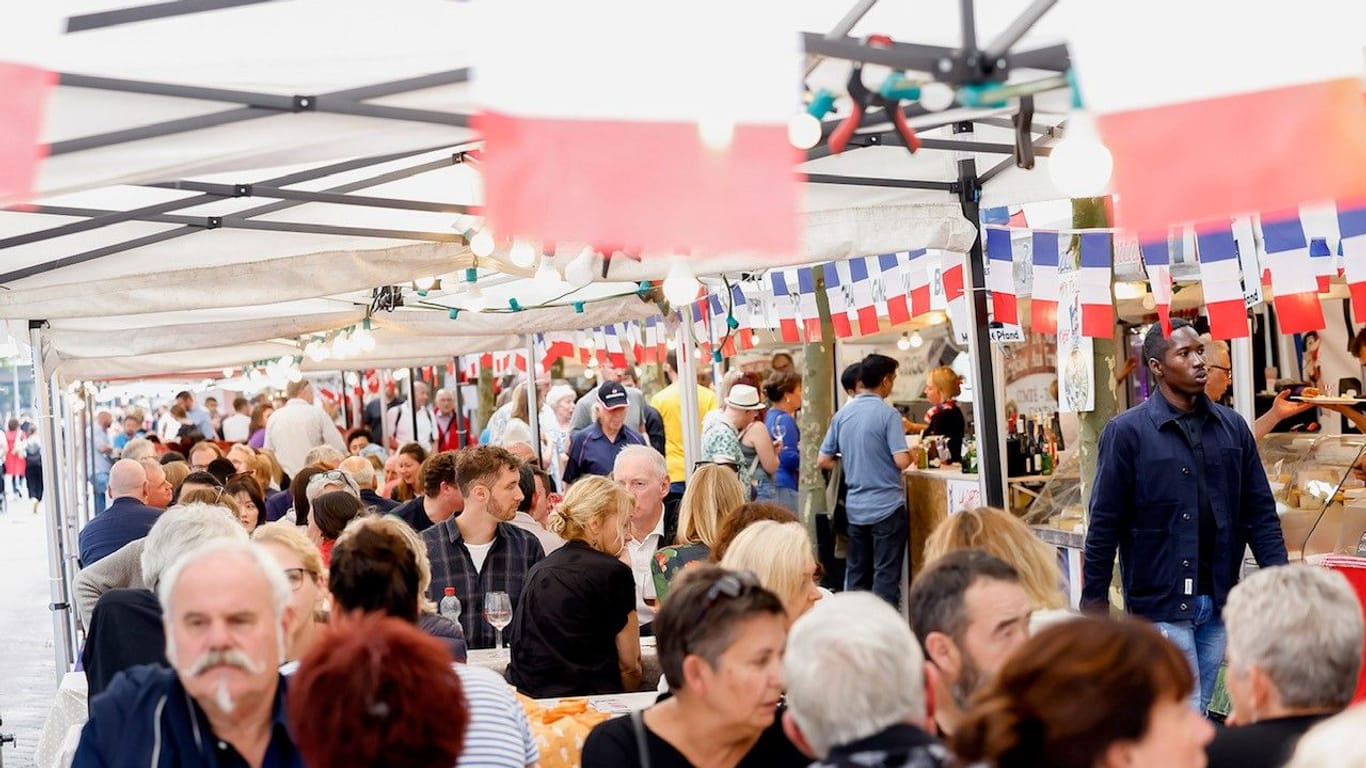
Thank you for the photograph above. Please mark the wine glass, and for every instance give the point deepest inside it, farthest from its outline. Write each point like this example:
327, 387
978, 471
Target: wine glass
498, 612
647, 592
779, 431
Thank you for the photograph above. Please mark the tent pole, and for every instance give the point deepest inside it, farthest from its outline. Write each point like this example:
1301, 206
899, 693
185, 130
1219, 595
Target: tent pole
60, 606
1244, 380
461, 438
533, 414
1018, 28
412, 401
968, 19
687, 389
987, 411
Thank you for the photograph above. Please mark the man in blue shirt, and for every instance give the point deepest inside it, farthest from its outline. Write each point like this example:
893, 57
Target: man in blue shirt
867, 436
593, 450
225, 608
1179, 492
103, 450
198, 415
128, 517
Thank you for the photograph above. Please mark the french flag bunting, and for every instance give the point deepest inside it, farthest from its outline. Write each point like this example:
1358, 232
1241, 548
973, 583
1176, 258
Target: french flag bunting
892, 282
758, 300
952, 275
865, 303
1221, 281
1001, 277
955, 298
583, 342
1043, 305
700, 327
916, 274
1157, 259
1097, 306
1293, 277
644, 153
744, 331
1352, 226
837, 293
1321, 258
469, 367
811, 316
24, 93
785, 306
1215, 127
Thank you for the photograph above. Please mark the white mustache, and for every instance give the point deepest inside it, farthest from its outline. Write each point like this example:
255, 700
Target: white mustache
230, 657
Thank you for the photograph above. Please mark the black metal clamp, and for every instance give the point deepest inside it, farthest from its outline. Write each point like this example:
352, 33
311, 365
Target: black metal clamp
864, 99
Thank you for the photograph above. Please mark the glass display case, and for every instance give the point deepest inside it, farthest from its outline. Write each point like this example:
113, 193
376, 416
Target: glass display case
1319, 483
1057, 515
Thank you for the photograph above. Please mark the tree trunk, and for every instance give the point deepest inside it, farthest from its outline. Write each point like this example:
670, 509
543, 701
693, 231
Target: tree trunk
486, 397
818, 406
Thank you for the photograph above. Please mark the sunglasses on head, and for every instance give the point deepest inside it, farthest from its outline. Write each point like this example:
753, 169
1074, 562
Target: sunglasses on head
730, 586
727, 464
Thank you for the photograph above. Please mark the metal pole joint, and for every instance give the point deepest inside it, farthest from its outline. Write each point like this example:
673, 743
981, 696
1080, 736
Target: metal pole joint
305, 103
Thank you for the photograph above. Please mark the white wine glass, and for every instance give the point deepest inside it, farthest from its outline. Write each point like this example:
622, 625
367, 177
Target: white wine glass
779, 431
498, 613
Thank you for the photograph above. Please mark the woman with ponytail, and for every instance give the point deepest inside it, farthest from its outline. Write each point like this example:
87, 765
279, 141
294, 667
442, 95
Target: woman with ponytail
575, 630
1088, 693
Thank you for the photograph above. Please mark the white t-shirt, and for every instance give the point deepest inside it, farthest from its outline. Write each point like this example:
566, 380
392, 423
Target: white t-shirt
478, 554
235, 428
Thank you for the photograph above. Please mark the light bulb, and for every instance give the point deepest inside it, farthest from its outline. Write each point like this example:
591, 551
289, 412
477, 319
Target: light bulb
589, 373
680, 286
1149, 302
285, 361
547, 275
523, 253
295, 375
917, 340
365, 340
804, 130
227, 373
341, 346
425, 283
903, 343
482, 244
716, 132
400, 374
936, 318
1080, 165
936, 96
474, 300
579, 272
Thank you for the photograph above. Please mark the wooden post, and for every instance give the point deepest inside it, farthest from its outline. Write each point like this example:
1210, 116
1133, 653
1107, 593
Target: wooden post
486, 398
818, 406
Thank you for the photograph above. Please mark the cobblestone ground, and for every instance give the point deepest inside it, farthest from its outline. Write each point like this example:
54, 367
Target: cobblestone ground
27, 680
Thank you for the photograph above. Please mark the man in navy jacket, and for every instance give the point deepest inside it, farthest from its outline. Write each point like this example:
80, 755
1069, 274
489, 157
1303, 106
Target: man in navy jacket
226, 607
127, 518
1179, 491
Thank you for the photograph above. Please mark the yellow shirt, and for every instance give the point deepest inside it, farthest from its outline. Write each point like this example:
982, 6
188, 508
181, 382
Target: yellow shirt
669, 403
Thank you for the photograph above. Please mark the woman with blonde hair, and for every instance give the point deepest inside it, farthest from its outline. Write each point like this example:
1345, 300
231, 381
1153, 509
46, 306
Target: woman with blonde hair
714, 492
268, 472
217, 498
176, 472
408, 464
944, 419
303, 567
780, 555
575, 630
1005, 536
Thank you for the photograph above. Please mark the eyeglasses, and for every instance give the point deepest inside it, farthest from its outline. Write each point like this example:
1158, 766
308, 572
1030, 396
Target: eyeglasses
296, 577
1227, 370
732, 585
727, 464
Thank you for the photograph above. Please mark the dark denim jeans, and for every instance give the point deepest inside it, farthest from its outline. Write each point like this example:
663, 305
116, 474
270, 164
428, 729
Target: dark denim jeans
876, 555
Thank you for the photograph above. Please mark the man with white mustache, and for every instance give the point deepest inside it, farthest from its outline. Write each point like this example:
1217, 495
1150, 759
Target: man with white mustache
227, 611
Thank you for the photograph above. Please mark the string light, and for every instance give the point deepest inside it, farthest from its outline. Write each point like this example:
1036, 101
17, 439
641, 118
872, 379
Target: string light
903, 343
425, 283
482, 244
579, 272
716, 132
522, 254
680, 286
804, 130
228, 372
473, 300
1080, 165
917, 340
936, 96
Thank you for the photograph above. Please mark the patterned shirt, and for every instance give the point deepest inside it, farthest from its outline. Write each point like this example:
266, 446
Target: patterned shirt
513, 553
722, 441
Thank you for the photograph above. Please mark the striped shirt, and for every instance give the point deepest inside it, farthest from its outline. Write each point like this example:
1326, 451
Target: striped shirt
513, 553
499, 735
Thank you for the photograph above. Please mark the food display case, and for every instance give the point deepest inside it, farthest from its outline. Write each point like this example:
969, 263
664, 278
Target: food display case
1319, 483
1057, 515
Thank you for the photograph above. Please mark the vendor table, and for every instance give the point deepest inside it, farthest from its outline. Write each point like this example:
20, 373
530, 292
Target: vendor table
497, 660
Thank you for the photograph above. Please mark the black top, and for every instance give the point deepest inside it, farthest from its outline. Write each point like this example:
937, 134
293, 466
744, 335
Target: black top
1268, 744
563, 632
370, 498
125, 631
412, 513
613, 745
947, 421
1192, 424
898, 746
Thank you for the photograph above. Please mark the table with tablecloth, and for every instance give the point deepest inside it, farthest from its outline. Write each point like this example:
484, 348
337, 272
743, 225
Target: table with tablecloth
497, 660
62, 728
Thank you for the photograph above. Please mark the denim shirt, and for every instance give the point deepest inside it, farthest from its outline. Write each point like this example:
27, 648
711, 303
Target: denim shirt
1145, 504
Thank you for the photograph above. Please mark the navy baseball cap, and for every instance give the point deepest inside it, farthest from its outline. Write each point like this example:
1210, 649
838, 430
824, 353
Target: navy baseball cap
612, 395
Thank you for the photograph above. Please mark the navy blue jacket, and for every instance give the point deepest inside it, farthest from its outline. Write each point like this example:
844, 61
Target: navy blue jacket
1144, 503
125, 519
591, 453
146, 713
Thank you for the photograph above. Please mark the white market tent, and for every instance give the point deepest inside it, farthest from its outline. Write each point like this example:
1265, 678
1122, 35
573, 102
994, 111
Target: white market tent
222, 182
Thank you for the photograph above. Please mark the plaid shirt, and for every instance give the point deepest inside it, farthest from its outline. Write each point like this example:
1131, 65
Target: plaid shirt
513, 553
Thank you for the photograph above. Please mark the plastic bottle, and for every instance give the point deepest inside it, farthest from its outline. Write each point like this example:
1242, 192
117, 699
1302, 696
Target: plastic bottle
450, 605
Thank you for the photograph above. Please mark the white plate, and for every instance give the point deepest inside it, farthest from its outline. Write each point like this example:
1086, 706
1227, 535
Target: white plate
1325, 400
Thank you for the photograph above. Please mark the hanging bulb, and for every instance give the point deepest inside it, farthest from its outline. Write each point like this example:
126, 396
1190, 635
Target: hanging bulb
285, 361
936, 96
917, 340
680, 286
340, 345
716, 132
400, 374
903, 343
589, 373
804, 130
473, 300
1080, 165
547, 275
523, 253
579, 272
228, 372
425, 283
482, 243
295, 375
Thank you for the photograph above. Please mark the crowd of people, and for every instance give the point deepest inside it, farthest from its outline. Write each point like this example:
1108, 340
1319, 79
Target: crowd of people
282, 604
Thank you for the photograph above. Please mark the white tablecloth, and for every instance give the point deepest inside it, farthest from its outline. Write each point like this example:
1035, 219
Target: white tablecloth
497, 660
62, 728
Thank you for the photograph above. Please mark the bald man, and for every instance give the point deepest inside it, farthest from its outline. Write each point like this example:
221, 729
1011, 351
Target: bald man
127, 518
363, 472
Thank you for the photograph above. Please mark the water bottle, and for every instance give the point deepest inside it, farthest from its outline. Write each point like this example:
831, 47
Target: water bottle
450, 606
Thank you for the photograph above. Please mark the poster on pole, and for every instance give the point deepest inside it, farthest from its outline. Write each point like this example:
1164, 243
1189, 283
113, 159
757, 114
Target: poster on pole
1076, 371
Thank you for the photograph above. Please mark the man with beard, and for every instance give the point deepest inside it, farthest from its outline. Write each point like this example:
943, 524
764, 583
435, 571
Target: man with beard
481, 550
226, 609
969, 613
